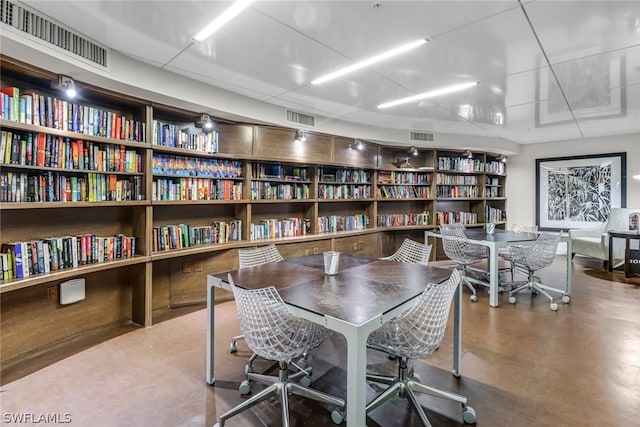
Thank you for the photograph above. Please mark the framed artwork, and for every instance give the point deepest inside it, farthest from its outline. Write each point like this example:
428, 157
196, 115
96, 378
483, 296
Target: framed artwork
579, 191
592, 85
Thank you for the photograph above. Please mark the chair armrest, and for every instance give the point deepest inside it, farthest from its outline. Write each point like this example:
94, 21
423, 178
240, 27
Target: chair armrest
588, 232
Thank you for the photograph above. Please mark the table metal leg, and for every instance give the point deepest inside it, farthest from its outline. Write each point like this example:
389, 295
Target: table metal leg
457, 332
210, 375
493, 274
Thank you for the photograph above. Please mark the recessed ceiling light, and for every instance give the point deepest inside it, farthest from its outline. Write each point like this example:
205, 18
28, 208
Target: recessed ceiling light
431, 94
370, 61
225, 17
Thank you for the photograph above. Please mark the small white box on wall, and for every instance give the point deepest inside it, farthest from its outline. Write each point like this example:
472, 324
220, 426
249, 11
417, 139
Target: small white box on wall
72, 291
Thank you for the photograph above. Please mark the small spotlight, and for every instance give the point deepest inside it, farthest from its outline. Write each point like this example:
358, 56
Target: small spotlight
205, 122
468, 154
301, 136
502, 158
68, 85
360, 145
350, 147
414, 151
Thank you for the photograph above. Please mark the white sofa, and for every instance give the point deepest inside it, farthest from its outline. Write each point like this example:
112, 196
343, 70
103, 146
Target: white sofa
594, 241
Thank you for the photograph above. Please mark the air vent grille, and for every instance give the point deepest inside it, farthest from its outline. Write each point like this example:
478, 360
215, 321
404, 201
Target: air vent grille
421, 136
43, 28
300, 118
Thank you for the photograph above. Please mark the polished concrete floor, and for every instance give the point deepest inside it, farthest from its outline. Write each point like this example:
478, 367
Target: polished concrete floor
523, 365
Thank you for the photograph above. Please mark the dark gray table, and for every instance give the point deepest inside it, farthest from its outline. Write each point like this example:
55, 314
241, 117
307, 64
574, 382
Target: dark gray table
365, 294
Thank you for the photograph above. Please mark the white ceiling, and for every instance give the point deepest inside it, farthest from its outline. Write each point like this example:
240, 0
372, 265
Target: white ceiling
275, 48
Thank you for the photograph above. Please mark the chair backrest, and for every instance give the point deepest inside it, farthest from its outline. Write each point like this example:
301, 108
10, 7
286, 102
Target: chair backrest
420, 330
457, 246
524, 228
540, 254
257, 256
270, 329
411, 252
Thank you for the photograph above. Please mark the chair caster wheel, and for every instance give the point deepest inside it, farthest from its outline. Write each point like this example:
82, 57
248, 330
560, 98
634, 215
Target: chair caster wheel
216, 425
512, 300
302, 363
566, 299
469, 415
553, 306
305, 381
233, 347
473, 298
337, 416
245, 387
416, 377
248, 369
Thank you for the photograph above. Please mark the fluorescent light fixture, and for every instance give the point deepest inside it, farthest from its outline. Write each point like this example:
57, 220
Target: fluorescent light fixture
636, 176
431, 94
374, 59
225, 17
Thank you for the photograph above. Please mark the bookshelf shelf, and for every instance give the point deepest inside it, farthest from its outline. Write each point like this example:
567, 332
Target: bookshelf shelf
16, 284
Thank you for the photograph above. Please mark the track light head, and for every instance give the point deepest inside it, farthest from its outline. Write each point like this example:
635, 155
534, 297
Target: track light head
204, 122
301, 136
67, 84
468, 154
414, 151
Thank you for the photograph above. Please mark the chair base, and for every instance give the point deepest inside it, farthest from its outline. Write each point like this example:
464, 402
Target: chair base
281, 387
406, 385
538, 288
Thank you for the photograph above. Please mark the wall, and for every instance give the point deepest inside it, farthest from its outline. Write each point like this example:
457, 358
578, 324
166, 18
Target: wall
521, 186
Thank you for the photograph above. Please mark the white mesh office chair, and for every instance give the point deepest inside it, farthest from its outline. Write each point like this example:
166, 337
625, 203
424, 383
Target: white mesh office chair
460, 250
411, 252
273, 332
414, 334
506, 252
250, 258
535, 257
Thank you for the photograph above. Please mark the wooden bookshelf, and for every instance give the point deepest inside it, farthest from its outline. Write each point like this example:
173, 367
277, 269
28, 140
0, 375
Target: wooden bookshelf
356, 200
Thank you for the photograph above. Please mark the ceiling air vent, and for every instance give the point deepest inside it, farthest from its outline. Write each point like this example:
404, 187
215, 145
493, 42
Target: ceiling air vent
421, 136
300, 118
51, 32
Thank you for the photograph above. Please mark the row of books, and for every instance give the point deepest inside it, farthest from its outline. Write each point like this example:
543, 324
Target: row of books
399, 177
277, 171
457, 191
43, 256
456, 217
492, 192
196, 189
343, 191
444, 179
182, 236
42, 110
404, 192
261, 190
399, 220
335, 223
354, 176
495, 166
273, 228
168, 164
460, 164
492, 214
58, 187
45, 150
492, 181
172, 135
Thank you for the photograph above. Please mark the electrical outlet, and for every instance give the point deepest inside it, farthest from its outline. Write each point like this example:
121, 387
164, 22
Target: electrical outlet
197, 266
306, 252
355, 246
360, 245
316, 250
52, 293
186, 267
